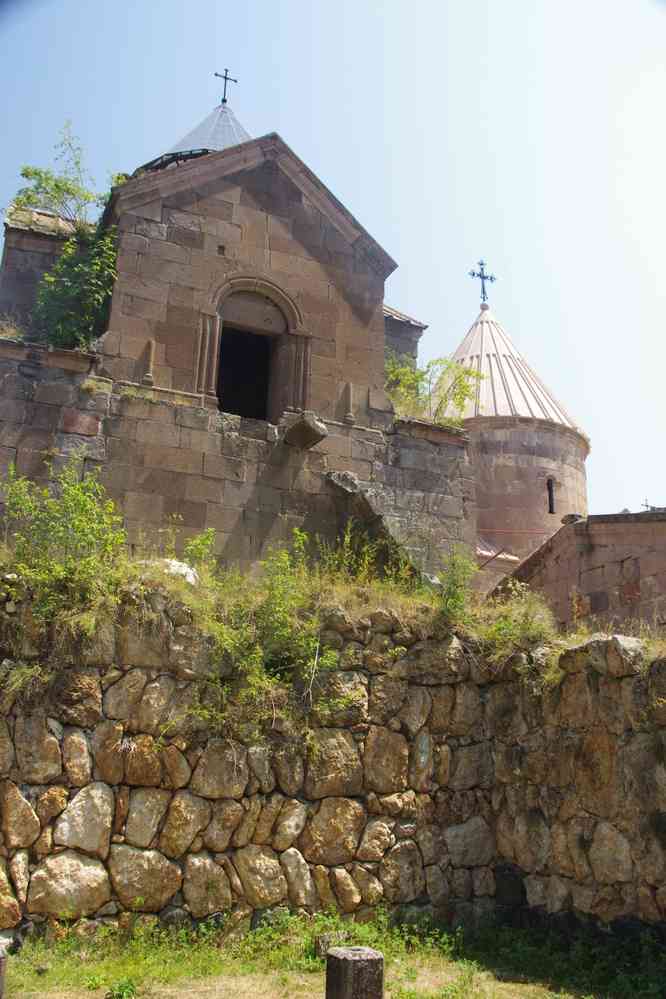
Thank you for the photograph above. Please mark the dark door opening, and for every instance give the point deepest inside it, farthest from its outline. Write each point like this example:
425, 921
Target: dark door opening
244, 372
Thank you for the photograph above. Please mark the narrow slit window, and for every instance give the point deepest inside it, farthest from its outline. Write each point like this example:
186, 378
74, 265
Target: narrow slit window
550, 484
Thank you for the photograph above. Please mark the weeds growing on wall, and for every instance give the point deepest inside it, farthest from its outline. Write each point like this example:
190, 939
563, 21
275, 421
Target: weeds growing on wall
437, 392
64, 542
71, 310
66, 551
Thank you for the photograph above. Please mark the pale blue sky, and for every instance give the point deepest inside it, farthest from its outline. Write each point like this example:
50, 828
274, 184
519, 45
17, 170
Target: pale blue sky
530, 132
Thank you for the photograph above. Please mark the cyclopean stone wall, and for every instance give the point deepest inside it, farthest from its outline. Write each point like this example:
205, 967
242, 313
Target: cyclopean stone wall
426, 780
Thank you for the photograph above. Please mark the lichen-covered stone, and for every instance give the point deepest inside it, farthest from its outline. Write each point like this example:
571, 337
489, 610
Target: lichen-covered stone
332, 835
421, 761
122, 698
143, 764
68, 885
385, 761
610, 855
261, 875
176, 767
290, 824
86, 822
76, 698
471, 766
10, 910
466, 717
443, 701
327, 899
144, 880
248, 823
107, 752
37, 750
205, 886
370, 887
51, 803
149, 711
346, 891
470, 844
188, 815
19, 868
259, 761
401, 872
271, 808
222, 771
415, 710
387, 695
226, 816
340, 698
376, 840
6, 749
76, 757
289, 769
300, 886
147, 808
20, 825
333, 765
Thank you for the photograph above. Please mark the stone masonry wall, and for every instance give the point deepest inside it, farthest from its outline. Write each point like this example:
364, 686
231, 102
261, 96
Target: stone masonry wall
607, 568
163, 455
427, 780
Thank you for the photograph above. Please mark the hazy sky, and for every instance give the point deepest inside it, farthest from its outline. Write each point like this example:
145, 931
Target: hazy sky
530, 132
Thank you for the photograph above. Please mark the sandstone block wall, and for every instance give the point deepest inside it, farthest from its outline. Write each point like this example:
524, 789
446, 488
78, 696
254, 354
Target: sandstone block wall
425, 778
513, 459
163, 455
607, 568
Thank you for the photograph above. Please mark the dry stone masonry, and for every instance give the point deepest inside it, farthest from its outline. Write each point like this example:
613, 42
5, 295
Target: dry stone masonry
426, 781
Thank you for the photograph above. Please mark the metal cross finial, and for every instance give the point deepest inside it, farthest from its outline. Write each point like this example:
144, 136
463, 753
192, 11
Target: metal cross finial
483, 277
227, 79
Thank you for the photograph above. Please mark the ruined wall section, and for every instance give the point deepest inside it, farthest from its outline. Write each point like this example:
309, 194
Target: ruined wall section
607, 568
428, 781
162, 455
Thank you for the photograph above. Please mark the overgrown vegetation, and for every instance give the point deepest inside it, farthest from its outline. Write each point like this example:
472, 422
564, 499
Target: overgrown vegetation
423, 961
73, 298
71, 310
437, 392
66, 555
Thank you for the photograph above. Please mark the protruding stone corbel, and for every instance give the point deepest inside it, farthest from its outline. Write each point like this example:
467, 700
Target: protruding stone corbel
306, 431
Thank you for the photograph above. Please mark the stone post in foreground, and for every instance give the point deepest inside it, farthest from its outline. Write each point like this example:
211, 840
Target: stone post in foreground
354, 973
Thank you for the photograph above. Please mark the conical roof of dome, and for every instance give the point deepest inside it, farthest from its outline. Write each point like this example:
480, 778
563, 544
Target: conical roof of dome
219, 130
509, 387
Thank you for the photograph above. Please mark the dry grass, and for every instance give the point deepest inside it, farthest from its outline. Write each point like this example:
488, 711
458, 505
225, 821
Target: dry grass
404, 980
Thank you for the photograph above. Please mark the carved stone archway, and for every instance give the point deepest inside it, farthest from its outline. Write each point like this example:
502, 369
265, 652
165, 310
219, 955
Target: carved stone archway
291, 353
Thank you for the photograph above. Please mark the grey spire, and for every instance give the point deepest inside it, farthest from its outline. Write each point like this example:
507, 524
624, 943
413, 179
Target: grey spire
219, 130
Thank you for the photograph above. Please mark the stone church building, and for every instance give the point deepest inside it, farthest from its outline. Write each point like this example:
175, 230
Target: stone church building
240, 385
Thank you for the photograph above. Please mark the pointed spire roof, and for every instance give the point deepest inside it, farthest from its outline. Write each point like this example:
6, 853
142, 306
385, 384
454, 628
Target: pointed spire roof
219, 130
509, 387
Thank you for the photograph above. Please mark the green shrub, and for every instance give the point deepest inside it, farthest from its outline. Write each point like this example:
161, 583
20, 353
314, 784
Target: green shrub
73, 298
65, 540
519, 620
438, 392
458, 571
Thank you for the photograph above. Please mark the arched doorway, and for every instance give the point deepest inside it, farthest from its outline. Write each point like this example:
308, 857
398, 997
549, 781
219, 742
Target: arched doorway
252, 337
